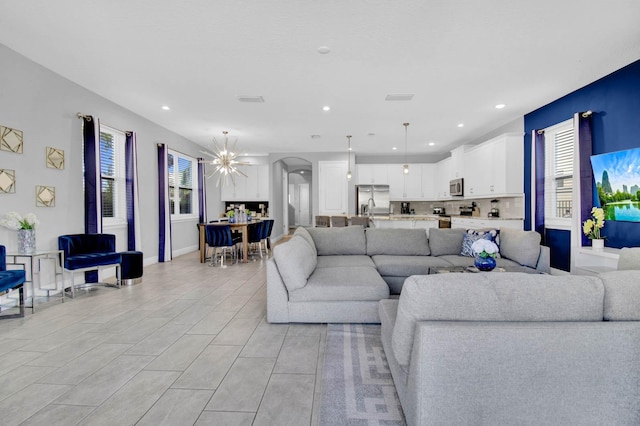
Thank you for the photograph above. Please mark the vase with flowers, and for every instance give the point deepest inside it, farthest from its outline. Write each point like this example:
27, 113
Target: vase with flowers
592, 228
485, 251
231, 216
26, 227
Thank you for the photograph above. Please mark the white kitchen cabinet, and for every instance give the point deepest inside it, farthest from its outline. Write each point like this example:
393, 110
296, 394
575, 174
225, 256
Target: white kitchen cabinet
405, 186
495, 168
332, 188
429, 185
372, 174
458, 159
253, 187
443, 176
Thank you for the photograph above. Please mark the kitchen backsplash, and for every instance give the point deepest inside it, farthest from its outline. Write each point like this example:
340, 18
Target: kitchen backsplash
509, 207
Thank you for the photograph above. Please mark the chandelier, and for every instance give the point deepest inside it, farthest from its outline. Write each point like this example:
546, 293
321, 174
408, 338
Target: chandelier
225, 161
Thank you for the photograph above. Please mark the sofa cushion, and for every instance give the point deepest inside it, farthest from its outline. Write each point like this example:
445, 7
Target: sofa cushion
352, 283
404, 266
332, 241
445, 241
303, 233
493, 297
399, 242
296, 261
347, 260
521, 246
88, 260
470, 237
621, 295
629, 258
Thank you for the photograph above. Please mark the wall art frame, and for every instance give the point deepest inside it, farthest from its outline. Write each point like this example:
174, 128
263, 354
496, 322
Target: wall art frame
7, 181
55, 158
45, 196
11, 140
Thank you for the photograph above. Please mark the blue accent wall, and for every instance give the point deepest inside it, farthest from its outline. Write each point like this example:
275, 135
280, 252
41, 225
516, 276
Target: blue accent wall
615, 102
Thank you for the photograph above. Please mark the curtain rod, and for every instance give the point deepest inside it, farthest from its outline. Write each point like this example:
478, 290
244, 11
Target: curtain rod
89, 118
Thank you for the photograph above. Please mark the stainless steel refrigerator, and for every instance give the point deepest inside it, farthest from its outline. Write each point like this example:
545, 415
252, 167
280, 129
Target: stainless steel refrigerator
373, 199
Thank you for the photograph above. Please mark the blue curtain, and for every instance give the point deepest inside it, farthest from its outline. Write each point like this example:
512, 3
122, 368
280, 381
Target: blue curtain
134, 241
538, 140
92, 183
164, 231
202, 192
582, 122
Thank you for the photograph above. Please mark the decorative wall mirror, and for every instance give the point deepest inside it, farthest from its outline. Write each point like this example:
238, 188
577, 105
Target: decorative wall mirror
10, 140
7, 181
45, 196
55, 158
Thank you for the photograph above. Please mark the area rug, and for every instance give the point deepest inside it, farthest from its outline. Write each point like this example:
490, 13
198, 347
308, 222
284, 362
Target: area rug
357, 387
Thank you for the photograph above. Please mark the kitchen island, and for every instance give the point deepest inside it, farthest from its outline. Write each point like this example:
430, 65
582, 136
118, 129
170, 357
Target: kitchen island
435, 221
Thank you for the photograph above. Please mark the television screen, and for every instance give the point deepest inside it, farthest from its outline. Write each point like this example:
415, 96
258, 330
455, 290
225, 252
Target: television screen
617, 176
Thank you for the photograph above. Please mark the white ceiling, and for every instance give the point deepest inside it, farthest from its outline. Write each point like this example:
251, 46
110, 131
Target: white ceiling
459, 58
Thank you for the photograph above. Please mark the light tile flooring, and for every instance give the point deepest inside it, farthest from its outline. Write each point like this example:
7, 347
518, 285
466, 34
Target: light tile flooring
189, 345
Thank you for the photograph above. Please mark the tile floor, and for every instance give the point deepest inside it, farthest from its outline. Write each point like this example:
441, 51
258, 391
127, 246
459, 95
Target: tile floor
188, 346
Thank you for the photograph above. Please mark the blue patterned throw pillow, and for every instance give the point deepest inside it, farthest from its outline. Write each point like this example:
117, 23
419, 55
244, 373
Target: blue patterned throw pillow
473, 235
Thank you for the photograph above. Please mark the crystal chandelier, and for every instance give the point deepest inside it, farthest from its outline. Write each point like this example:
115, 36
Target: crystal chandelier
225, 161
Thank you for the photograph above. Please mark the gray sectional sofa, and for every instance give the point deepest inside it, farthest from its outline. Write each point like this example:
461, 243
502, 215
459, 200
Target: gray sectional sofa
509, 348
340, 274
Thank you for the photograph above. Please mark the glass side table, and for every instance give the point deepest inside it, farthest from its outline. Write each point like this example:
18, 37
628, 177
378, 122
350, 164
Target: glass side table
34, 268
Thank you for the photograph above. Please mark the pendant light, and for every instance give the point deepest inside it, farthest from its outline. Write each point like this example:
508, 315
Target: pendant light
349, 158
405, 168
225, 161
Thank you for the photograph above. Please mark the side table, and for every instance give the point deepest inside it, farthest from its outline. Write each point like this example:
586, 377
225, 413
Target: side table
35, 258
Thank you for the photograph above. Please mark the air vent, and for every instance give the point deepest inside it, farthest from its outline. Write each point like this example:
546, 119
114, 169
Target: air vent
243, 98
399, 97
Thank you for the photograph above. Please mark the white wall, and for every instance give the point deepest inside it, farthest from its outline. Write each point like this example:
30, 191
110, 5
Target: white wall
44, 105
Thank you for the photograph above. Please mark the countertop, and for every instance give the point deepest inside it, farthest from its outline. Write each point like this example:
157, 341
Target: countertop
437, 217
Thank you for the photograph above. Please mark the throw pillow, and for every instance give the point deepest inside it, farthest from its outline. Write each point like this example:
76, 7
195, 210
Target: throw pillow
520, 246
445, 241
470, 237
296, 261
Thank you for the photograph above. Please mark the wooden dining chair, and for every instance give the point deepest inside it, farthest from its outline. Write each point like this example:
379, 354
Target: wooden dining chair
338, 221
323, 221
360, 220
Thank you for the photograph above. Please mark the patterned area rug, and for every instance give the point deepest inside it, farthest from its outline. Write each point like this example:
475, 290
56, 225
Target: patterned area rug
357, 386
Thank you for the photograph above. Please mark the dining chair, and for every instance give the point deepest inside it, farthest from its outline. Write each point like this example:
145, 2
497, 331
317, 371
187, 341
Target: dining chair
338, 221
360, 220
266, 235
323, 221
256, 232
219, 237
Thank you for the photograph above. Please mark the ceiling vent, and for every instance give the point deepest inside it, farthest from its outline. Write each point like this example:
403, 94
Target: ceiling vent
399, 97
243, 98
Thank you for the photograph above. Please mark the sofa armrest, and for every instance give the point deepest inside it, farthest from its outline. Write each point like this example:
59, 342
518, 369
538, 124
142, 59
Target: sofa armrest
277, 295
544, 261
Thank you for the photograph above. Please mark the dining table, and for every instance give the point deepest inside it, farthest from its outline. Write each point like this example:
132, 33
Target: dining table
243, 227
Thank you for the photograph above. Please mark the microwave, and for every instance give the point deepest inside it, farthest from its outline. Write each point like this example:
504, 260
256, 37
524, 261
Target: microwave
456, 187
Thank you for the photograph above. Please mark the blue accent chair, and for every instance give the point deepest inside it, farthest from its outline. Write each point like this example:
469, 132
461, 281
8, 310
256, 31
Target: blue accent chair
257, 232
11, 280
88, 252
219, 236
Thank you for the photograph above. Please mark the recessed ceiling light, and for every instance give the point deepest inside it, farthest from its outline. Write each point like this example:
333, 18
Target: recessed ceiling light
326, 108
323, 50
432, 143
250, 98
500, 106
461, 125
399, 97
394, 148
166, 107
301, 172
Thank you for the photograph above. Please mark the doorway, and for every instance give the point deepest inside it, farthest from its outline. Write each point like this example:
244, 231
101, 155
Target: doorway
297, 184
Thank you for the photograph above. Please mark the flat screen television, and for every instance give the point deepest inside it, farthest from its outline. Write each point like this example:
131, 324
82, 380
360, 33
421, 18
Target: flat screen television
617, 176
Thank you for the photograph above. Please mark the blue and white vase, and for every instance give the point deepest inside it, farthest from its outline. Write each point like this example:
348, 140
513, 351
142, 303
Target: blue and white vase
485, 263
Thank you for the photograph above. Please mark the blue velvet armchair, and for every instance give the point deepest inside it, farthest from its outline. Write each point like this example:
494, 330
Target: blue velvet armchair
86, 252
11, 280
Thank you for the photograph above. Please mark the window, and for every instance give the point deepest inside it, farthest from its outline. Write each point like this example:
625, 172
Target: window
559, 164
182, 181
112, 176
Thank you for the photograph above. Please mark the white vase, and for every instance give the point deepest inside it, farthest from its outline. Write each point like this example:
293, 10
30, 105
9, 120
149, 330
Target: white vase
597, 243
26, 241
